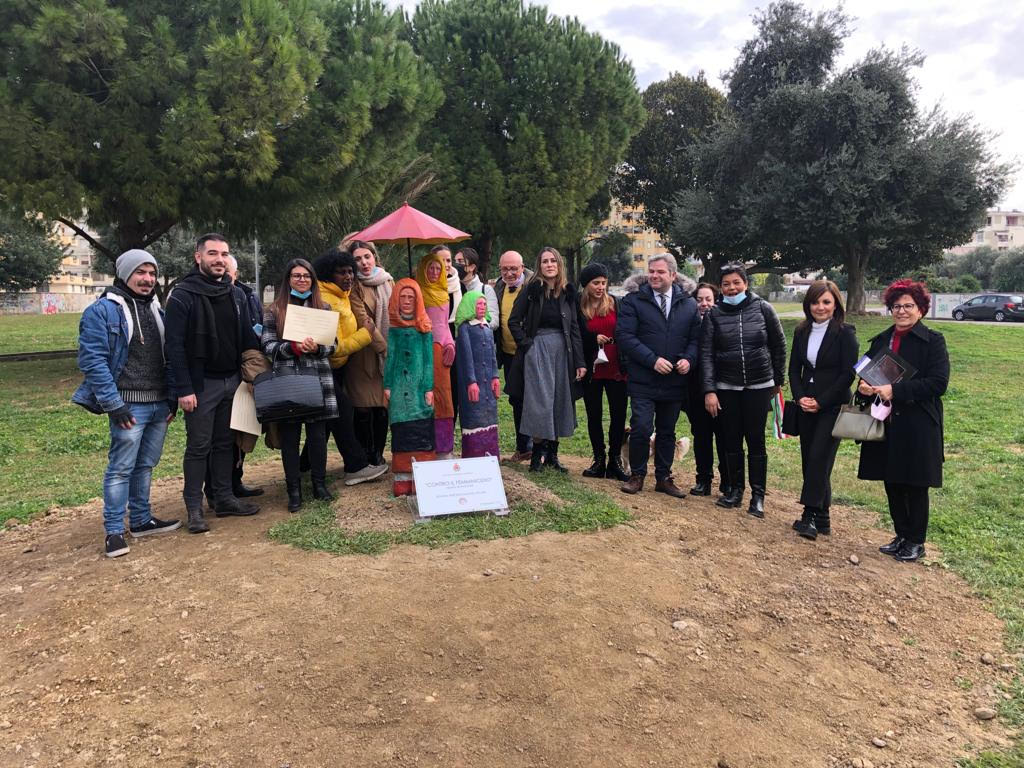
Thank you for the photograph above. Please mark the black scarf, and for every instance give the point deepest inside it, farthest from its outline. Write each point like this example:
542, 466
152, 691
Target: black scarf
202, 320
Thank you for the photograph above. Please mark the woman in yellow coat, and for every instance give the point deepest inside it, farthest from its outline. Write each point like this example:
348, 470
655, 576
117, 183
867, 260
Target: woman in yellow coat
336, 270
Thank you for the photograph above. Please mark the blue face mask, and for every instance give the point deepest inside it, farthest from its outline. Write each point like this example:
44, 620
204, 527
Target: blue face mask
737, 299
302, 294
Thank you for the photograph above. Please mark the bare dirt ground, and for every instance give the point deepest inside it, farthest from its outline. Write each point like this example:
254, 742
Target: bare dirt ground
227, 649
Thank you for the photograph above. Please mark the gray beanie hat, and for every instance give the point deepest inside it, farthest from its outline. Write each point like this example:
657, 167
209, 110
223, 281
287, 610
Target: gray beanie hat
131, 260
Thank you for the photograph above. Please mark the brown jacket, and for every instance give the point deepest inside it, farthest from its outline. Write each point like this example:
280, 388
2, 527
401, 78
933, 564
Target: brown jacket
364, 375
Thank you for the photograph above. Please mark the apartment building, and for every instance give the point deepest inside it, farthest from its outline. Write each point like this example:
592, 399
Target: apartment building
1001, 230
628, 219
76, 273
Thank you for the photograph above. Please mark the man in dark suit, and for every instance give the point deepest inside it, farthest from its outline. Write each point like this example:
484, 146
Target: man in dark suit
513, 276
657, 334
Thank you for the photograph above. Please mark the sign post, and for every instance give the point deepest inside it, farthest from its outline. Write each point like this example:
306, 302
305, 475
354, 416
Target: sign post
458, 486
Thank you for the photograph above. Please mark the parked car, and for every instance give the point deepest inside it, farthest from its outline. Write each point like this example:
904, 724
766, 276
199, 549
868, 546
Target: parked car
991, 306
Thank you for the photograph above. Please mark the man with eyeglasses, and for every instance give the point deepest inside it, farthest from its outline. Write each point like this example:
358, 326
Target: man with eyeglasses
207, 330
513, 276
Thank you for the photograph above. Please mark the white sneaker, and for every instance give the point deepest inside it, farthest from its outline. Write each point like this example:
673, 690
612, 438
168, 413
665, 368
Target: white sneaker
367, 473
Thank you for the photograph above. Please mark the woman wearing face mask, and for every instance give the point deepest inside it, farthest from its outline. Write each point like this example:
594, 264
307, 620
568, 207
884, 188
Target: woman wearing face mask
704, 429
549, 364
468, 260
820, 374
599, 312
742, 364
909, 460
433, 282
299, 288
364, 372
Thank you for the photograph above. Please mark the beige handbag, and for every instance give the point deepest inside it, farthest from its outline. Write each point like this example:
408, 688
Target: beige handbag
855, 422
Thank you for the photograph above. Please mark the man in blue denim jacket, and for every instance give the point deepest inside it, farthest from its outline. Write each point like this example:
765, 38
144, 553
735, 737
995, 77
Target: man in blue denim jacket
121, 353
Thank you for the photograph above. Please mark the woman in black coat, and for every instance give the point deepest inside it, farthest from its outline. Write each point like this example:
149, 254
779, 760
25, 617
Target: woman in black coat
909, 460
548, 366
742, 366
820, 374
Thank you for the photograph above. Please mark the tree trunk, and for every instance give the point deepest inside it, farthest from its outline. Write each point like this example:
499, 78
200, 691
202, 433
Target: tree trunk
856, 264
486, 247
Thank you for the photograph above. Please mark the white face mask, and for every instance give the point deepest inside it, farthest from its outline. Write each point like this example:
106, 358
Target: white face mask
737, 299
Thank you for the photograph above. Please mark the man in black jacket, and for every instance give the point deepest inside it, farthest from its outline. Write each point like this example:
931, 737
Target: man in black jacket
513, 277
207, 329
657, 335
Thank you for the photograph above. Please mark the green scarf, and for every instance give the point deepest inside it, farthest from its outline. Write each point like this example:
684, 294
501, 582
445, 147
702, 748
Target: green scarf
467, 308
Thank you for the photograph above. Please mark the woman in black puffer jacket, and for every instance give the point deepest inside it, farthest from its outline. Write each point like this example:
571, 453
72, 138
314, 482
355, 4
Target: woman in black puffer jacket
742, 366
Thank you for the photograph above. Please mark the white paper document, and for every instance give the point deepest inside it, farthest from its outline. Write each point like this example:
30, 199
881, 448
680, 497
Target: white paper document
243, 411
301, 323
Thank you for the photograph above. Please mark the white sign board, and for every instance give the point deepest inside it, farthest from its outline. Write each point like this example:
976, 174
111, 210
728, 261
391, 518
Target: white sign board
458, 485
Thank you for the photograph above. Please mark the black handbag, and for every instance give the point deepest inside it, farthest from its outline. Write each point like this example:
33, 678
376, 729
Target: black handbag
292, 394
790, 418
855, 422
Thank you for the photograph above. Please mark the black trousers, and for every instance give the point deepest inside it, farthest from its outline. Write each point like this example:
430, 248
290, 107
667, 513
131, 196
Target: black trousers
592, 399
236, 474
650, 417
817, 457
908, 507
316, 443
705, 431
371, 427
209, 442
743, 416
343, 428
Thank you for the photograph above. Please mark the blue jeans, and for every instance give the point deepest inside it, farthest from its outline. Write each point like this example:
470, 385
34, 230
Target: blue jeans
133, 454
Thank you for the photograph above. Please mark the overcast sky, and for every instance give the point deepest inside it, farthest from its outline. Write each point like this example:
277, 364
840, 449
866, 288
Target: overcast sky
973, 49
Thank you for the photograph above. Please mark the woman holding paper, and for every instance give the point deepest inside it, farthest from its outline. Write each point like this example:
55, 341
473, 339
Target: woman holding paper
909, 460
742, 366
599, 311
364, 372
299, 288
820, 374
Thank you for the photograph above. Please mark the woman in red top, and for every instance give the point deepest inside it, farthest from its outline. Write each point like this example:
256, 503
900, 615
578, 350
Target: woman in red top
598, 313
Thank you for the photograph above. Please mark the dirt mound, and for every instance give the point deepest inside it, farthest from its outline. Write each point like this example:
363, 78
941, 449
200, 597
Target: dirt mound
692, 636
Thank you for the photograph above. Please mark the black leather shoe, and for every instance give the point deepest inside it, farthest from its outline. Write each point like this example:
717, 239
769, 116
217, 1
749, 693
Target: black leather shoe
702, 487
909, 552
294, 495
243, 491
235, 508
320, 491
196, 522
892, 547
756, 506
551, 457
615, 470
598, 468
805, 518
537, 457
808, 531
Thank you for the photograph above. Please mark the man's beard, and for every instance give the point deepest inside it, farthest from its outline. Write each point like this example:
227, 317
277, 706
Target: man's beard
208, 273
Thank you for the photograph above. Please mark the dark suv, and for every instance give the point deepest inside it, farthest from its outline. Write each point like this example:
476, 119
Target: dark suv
991, 306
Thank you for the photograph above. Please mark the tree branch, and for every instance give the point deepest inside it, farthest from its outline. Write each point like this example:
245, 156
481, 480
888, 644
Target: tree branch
160, 232
87, 237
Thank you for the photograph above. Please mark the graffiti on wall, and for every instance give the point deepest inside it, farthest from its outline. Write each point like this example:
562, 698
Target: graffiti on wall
43, 303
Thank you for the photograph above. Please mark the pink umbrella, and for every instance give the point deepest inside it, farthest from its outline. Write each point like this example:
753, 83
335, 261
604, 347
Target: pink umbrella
411, 226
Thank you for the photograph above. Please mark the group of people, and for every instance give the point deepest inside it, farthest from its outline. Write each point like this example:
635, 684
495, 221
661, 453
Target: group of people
413, 356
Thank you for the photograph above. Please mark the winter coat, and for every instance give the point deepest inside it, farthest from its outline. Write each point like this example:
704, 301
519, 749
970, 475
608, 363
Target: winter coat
255, 308
499, 293
283, 357
589, 340
351, 337
189, 371
477, 365
523, 324
363, 372
644, 334
104, 335
742, 345
912, 451
833, 372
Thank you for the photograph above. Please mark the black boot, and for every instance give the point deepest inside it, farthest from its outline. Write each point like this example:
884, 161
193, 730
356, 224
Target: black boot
734, 471
294, 494
702, 486
724, 488
615, 470
823, 521
320, 491
551, 457
758, 466
598, 468
805, 525
805, 518
537, 457
196, 522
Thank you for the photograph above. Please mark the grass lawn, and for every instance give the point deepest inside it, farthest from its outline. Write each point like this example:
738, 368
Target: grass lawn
38, 333
975, 517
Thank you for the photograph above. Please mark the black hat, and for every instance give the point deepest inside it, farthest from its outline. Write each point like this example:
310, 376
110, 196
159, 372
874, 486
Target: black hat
592, 270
